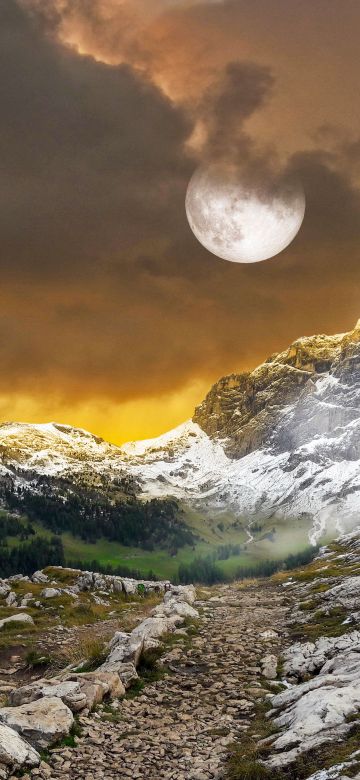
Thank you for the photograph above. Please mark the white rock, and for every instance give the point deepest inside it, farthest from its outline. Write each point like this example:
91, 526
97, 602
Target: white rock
269, 666
174, 606
4, 589
110, 682
42, 722
21, 617
130, 586
335, 772
117, 585
307, 657
11, 599
18, 578
124, 648
154, 627
186, 593
15, 752
40, 577
68, 691
50, 593
125, 671
346, 594
317, 711
269, 634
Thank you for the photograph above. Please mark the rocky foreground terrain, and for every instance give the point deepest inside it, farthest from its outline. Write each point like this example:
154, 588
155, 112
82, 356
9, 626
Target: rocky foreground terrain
280, 442
254, 680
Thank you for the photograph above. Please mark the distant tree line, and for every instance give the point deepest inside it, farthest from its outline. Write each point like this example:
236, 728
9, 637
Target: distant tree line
204, 569
225, 551
91, 514
120, 571
10, 525
30, 556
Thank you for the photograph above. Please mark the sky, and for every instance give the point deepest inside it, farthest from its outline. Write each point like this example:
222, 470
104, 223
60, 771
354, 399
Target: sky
113, 316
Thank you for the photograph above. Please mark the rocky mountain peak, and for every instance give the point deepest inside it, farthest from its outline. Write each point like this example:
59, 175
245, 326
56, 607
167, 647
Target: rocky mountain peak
281, 441
244, 410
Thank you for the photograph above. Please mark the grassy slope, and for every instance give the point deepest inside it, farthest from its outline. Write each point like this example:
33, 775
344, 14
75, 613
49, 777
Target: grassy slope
211, 533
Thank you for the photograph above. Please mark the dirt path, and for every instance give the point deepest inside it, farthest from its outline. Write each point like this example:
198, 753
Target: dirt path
179, 727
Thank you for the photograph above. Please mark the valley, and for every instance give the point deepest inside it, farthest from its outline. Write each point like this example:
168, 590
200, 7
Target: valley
269, 463
228, 547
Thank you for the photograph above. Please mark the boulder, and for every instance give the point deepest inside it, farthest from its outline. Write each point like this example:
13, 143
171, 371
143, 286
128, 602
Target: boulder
269, 666
126, 671
15, 752
185, 592
130, 586
85, 581
110, 682
315, 716
176, 606
19, 578
40, 577
68, 691
345, 594
21, 617
42, 722
50, 593
283, 759
125, 648
24, 603
269, 634
4, 589
11, 599
319, 710
154, 627
335, 772
77, 691
117, 585
92, 691
304, 658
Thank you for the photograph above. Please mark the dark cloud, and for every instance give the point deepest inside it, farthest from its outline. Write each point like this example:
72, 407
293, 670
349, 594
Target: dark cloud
241, 90
91, 155
106, 293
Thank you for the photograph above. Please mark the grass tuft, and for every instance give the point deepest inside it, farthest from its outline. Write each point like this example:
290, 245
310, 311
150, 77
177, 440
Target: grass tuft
36, 660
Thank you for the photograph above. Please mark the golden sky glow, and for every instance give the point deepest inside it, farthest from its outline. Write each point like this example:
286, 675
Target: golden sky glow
112, 316
118, 423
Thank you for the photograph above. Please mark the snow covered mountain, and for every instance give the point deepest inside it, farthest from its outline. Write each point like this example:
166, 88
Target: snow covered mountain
281, 442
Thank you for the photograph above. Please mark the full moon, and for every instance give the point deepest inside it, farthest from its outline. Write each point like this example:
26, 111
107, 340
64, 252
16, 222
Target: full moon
241, 223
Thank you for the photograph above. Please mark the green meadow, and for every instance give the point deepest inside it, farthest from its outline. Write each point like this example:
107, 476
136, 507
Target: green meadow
272, 541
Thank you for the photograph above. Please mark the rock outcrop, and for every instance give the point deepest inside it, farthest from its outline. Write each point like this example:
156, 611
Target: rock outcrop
125, 649
42, 722
20, 617
323, 699
244, 409
39, 713
76, 691
15, 752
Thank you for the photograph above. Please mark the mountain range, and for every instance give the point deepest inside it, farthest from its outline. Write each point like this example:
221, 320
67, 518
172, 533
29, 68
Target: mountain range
277, 444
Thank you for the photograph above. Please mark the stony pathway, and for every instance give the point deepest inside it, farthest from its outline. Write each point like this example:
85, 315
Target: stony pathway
179, 727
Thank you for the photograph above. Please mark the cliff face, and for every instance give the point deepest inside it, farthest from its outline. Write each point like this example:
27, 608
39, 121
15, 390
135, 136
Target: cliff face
317, 376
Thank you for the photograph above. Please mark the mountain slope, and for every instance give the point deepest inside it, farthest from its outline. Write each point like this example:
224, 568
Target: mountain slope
281, 442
